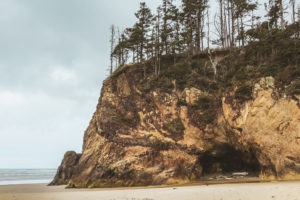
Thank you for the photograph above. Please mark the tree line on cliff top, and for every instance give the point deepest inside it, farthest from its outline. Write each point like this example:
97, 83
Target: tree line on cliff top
189, 28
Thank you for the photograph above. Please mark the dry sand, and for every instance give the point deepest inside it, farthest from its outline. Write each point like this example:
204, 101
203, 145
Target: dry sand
255, 191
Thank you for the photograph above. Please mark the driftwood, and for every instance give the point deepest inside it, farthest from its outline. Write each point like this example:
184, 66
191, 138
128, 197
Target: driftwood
240, 173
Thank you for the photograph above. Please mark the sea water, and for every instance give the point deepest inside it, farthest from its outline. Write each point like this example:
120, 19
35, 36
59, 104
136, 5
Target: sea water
26, 176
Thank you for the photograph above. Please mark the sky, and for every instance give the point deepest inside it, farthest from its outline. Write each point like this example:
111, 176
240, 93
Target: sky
54, 55
53, 58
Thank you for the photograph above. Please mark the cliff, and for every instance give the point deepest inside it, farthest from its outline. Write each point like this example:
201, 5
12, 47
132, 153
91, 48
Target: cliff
188, 123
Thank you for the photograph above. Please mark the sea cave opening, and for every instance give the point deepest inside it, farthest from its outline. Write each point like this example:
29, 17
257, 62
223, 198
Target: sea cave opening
227, 160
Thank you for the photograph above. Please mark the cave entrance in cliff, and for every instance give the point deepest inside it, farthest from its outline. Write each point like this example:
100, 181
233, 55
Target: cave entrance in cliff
227, 160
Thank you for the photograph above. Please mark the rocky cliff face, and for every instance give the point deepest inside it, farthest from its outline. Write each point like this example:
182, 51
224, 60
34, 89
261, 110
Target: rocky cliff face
157, 137
66, 168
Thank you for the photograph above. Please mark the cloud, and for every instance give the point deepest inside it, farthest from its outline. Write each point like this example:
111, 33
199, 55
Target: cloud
63, 75
39, 126
53, 59
10, 99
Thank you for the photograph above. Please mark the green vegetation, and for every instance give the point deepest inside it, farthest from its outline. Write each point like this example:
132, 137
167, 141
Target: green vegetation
175, 127
294, 88
119, 70
203, 111
170, 55
123, 119
243, 93
203, 103
181, 102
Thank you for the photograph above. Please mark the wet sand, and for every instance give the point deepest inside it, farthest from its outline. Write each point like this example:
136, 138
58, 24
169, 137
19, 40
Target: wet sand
246, 191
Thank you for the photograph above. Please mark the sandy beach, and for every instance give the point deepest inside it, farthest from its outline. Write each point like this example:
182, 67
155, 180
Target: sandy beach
248, 191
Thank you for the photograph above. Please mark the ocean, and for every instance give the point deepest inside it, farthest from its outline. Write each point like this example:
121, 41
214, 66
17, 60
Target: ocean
26, 176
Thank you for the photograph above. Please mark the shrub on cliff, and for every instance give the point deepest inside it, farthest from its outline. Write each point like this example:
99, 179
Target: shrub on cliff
203, 111
175, 127
243, 93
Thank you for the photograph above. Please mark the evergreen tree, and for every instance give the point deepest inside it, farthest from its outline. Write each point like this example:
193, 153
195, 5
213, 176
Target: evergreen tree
293, 5
167, 9
189, 23
176, 39
281, 14
273, 13
112, 46
142, 27
173, 31
157, 43
243, 7
193, 15
200, 7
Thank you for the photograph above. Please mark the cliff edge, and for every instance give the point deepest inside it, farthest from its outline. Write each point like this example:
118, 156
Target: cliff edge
188, 123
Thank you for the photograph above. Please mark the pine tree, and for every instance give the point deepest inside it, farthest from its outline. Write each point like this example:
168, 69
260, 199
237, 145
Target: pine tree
243, 7
176, 34
273, 13
208, 29
193, 18
200, 6
158, 45
167, 9
144, 17
112, 46
293, 5
281, 14
189, 24
298, 14
221, 31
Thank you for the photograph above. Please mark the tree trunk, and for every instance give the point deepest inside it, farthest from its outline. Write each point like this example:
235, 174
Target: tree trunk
232, 25
221, 22
228, 19
112, 46
242, 31
208, 36
281, 15
198, 29
293, 11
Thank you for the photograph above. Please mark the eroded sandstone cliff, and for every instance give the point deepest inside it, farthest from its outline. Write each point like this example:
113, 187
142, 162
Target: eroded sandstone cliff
158, 137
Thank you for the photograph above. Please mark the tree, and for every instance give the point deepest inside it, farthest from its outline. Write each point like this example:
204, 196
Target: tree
167, 9
144, 17
222, 37
176, 43
121, 50
293, 4
193, 18
200, 7
273, 13
298, 13
157, 44
208, 28
222, 23
243, 7
112, 46
281, 14
189, 23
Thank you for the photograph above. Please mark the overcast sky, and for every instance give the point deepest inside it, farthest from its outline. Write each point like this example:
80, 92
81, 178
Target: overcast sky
53, 58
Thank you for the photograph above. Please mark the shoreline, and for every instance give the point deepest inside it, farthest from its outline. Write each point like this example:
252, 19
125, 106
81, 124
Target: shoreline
24, 182
281, 190
192, 183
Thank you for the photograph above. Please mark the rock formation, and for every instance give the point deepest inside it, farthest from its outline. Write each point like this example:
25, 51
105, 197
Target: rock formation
157, 137
66, 168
